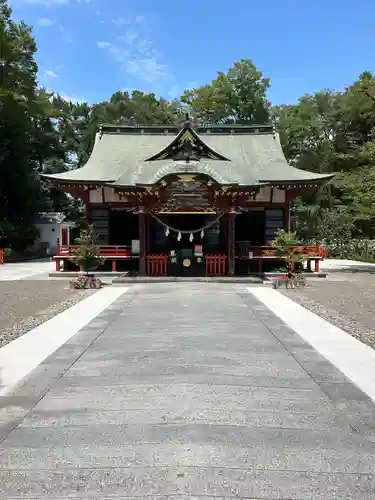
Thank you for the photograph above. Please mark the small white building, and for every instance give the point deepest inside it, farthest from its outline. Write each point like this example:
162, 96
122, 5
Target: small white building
53, 228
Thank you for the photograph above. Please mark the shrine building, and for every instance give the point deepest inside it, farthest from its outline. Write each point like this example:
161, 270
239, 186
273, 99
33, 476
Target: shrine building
201, 201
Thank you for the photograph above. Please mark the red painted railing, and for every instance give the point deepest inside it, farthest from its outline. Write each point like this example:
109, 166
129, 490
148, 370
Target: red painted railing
215, 264
244, 248
157, 264
2, 256
105, 250
311, 251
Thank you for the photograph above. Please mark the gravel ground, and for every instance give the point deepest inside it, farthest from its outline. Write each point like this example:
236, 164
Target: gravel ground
345, 299
28, 303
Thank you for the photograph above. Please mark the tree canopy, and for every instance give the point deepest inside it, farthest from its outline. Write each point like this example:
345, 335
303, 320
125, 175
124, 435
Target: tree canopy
41, 132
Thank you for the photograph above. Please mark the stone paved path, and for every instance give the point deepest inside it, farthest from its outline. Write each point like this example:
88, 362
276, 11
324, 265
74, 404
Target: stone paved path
187, 391
37, 269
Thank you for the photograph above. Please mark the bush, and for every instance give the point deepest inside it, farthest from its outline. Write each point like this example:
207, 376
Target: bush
87, 255
291, 258
353, 249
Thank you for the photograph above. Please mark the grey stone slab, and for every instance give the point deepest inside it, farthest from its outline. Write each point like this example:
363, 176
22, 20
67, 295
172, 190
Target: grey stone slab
197, 415
190, 445
191, 481
261, 345
364, 424
207, 356
338, 393
170, 396
114, 366
190, 455
184, 377
143, 497
322, 371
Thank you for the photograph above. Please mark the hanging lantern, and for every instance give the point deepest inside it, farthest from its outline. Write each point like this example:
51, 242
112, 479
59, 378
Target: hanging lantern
202, 234
179, 237
191, 237
167, 232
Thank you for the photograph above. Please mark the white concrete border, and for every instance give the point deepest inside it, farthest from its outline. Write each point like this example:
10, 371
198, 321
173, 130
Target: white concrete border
25, 353
355, 359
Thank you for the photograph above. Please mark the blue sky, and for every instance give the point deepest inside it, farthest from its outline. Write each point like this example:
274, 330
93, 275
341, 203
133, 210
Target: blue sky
89, 49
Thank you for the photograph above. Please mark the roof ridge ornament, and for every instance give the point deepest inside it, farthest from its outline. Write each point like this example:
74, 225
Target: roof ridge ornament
100, 131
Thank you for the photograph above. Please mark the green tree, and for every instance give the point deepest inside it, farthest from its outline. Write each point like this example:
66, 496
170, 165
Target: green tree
19, 184
237, 96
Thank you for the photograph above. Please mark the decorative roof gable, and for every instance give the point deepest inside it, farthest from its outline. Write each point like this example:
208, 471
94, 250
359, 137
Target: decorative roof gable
187, 146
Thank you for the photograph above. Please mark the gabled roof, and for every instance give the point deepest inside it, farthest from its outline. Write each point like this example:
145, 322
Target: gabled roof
243, 155
53, 218
50, 218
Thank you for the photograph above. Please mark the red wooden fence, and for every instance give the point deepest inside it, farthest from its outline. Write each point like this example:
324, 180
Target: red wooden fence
157, 264
267, 251
215, 265
1, 256
105, 250
108, 252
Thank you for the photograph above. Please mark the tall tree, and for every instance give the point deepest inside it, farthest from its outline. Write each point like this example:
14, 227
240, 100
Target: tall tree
19, 184
237, 96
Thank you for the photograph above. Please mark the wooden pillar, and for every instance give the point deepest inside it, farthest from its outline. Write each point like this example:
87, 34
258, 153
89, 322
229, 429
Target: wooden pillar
142, 242
316, 265
287, 212
148, 234
86, 213
57, 261
86, 207
64, 236
231, 243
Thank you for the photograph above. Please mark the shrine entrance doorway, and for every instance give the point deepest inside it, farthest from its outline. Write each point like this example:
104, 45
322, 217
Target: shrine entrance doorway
186, 240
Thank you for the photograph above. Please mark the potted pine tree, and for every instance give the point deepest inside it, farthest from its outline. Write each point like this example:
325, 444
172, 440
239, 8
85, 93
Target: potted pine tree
87, 256
285, 244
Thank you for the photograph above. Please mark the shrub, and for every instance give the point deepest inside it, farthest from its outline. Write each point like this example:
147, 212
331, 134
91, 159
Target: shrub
284, 243
87, 255
352, 249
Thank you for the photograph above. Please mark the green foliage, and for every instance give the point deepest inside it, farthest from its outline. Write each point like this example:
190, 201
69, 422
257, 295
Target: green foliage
334, 132
237, 96
356, 249
87, 254
285, 243
284, 239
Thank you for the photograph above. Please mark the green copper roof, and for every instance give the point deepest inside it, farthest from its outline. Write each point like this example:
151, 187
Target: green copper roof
254, 157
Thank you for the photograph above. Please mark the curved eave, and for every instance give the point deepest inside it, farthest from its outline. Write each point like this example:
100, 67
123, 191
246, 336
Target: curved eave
54, 179
318, 181
228, 186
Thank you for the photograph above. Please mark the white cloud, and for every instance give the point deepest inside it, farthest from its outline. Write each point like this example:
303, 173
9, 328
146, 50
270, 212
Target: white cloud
120, 21
48, 3
72, 98
49, 72
45, 21
136, 54
66, 96
103, 45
